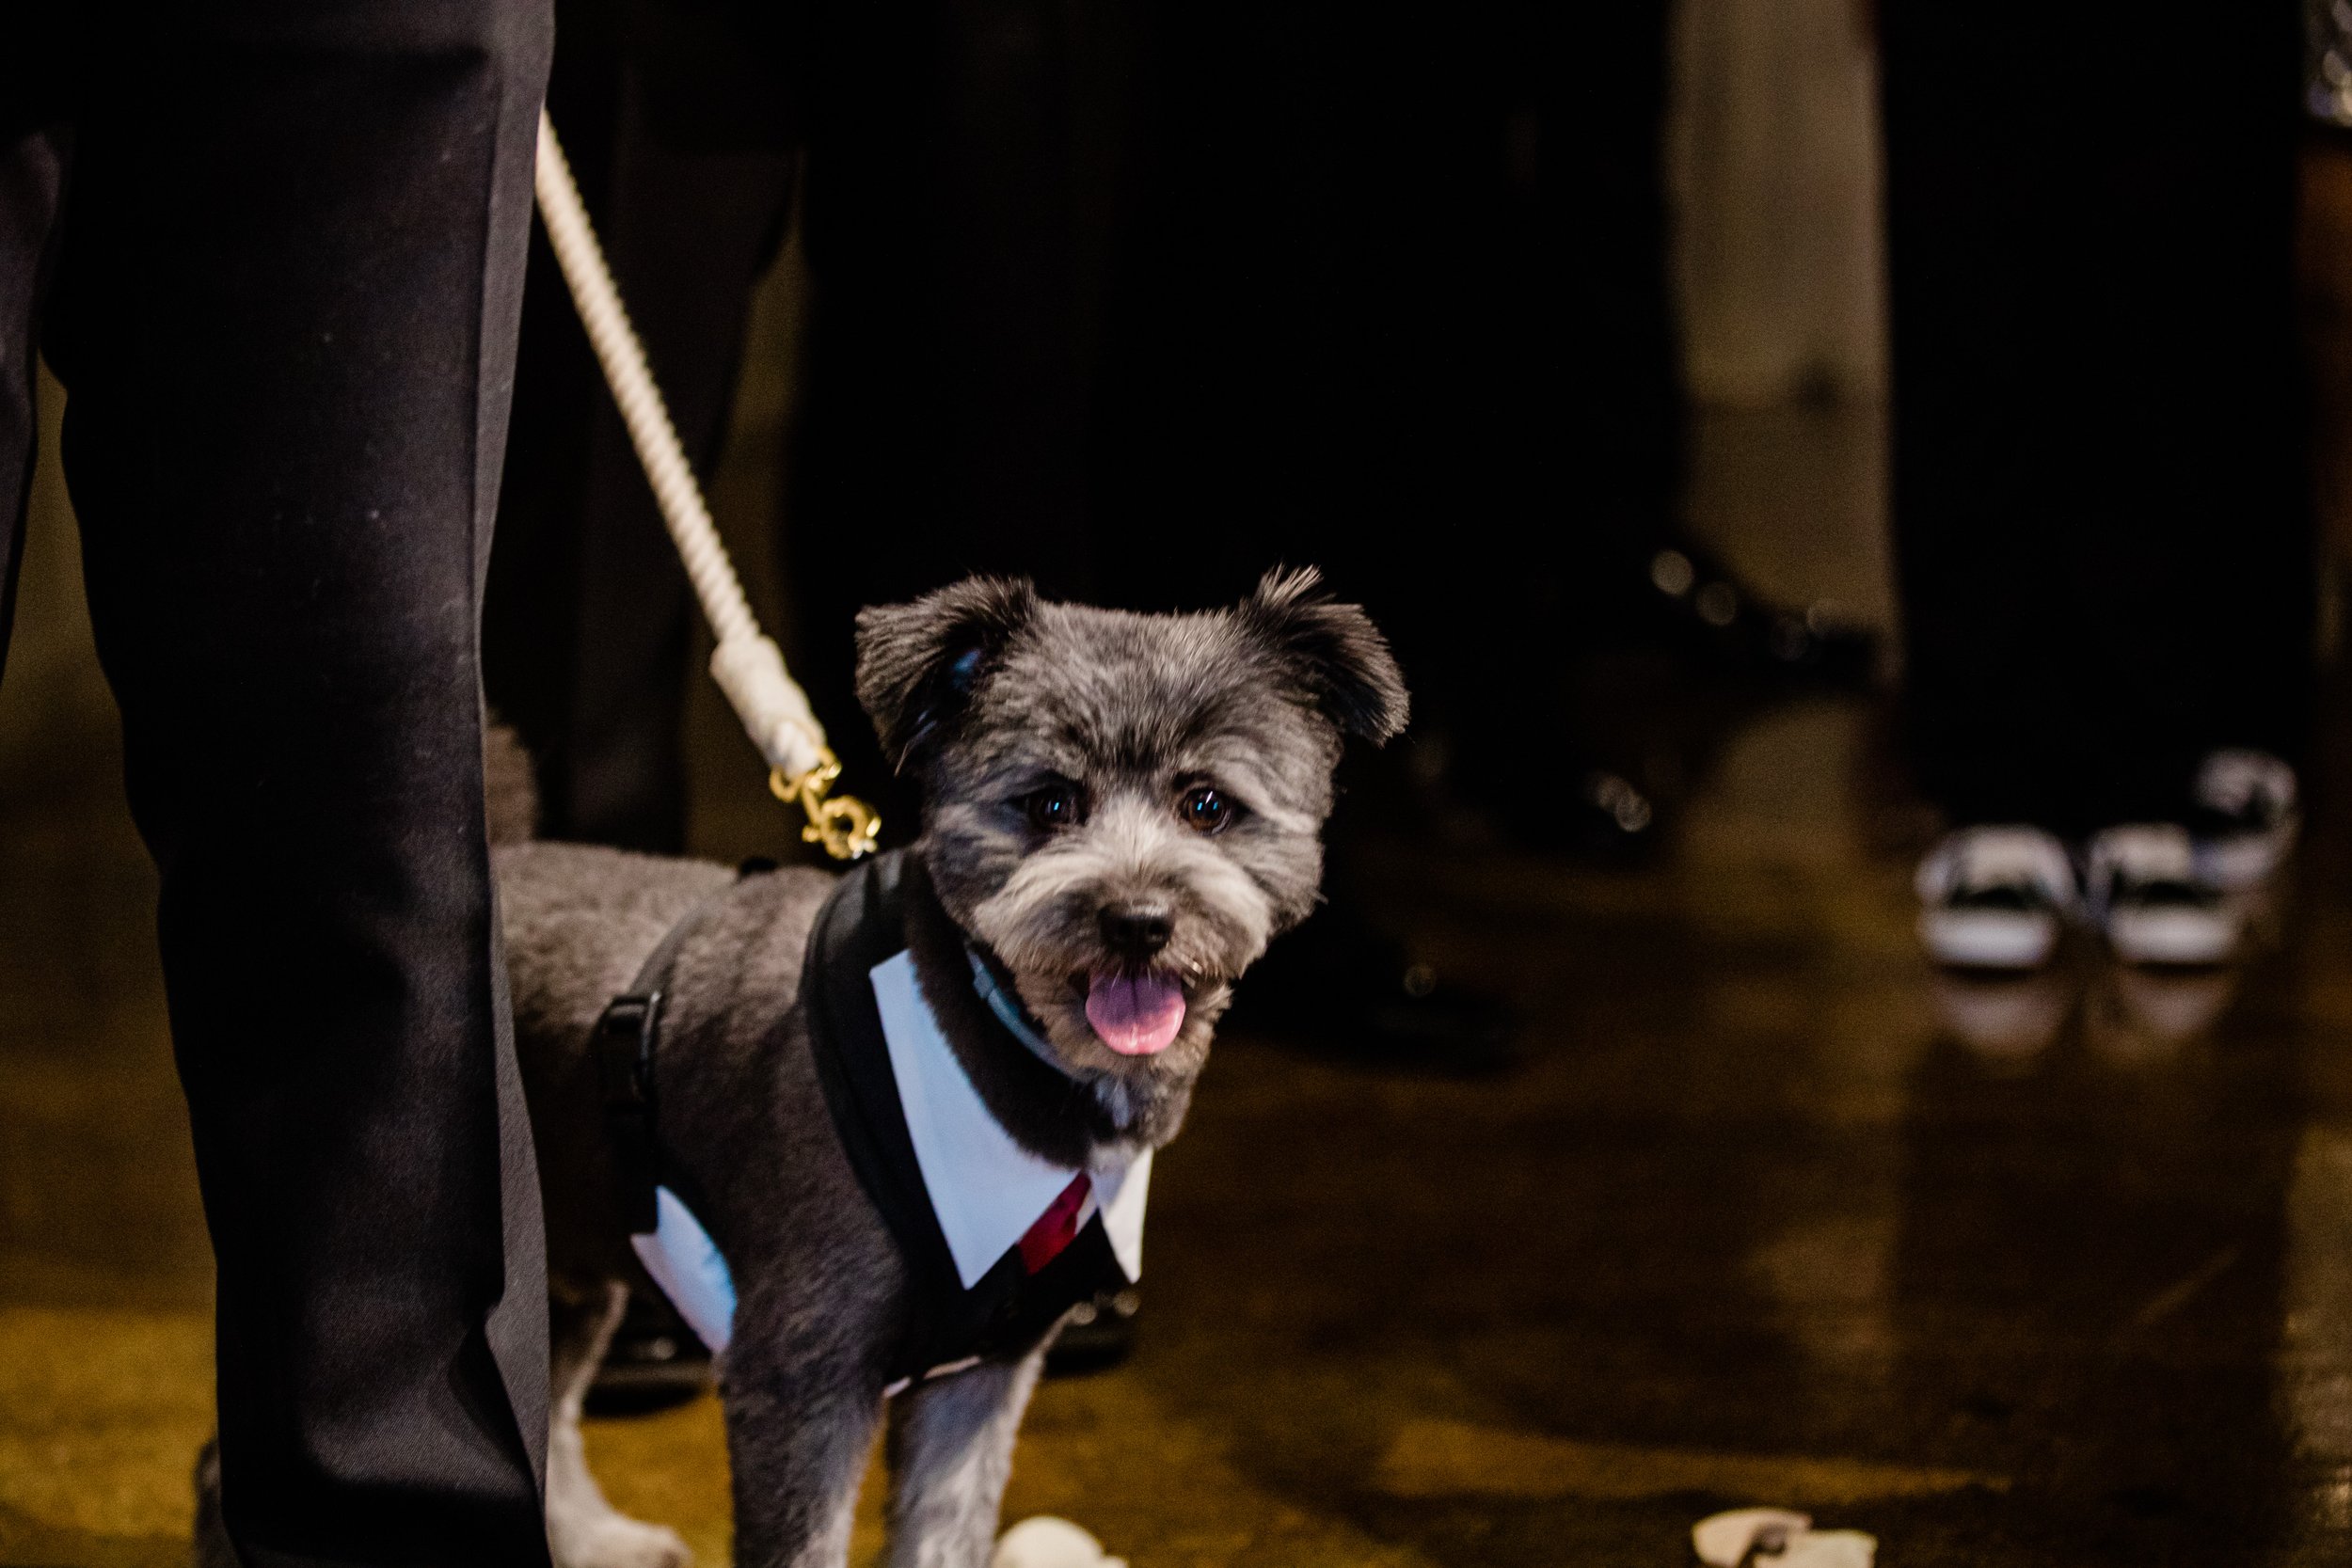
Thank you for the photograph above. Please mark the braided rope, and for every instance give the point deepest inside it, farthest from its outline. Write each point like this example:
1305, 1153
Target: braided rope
746, 663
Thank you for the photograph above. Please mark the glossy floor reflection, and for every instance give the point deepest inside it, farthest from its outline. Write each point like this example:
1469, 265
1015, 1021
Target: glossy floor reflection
2050, 1272
2054, 1275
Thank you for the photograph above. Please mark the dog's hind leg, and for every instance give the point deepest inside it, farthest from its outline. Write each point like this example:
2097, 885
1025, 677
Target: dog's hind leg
951, 1452
583, 1529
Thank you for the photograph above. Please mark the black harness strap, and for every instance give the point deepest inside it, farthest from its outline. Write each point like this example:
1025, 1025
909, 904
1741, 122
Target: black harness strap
627, 1040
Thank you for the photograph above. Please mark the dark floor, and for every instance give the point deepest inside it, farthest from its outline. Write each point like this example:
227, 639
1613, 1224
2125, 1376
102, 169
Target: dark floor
1751, 1224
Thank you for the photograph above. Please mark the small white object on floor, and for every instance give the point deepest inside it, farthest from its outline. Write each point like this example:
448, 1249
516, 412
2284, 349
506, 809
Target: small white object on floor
1776, 1538
1046, 1542
1830, 1549
1725, 1540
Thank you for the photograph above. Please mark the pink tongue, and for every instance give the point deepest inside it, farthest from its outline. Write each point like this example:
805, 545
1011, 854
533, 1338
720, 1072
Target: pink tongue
1135, 1014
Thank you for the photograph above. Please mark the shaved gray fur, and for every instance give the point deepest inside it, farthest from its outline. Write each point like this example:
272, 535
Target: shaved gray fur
987, 695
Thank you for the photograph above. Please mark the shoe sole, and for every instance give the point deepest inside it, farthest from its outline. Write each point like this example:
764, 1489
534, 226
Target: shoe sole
1974, 940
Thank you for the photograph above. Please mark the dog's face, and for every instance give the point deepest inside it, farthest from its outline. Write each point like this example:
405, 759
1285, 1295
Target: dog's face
1124, 809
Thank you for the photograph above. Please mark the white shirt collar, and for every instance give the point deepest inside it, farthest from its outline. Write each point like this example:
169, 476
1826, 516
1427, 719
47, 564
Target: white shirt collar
986, 1189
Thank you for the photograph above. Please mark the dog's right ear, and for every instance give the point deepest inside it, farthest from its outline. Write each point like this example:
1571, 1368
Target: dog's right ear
1332, 651
918, 662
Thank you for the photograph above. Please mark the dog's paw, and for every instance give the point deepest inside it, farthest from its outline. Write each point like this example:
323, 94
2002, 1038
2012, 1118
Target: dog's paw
1046, 1542
618, 1541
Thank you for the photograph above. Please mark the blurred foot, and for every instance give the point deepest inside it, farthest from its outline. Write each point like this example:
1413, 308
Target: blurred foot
2144, 892
654, 1362
1100, 1333
1350, 990
1995, 898
2246, 818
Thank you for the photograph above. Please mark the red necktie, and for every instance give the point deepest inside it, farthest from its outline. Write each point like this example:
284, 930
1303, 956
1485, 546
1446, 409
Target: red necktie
1057, 1226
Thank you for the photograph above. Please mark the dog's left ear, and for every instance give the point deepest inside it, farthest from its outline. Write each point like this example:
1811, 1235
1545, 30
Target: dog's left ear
918, 662
1332, 650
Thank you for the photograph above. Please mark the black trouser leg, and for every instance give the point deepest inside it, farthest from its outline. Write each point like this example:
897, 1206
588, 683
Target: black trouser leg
2102, 520
285, 316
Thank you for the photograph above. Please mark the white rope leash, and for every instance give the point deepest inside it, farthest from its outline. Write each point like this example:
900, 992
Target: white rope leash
746, 663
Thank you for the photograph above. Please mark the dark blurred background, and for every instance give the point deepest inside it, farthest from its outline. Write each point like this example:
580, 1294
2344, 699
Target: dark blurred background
1651, 373
1141, 302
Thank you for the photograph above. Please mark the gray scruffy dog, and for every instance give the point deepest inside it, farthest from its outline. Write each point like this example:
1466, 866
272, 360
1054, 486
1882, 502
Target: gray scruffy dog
1120, 812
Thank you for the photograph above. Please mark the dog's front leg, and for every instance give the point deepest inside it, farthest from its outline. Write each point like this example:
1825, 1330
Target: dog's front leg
951, 1450
797, 1442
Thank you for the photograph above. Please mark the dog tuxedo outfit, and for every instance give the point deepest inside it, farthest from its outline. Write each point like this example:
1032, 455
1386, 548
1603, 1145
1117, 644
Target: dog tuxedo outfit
998, 1243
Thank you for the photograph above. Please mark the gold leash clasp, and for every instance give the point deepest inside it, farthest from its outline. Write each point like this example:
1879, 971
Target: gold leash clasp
844, 825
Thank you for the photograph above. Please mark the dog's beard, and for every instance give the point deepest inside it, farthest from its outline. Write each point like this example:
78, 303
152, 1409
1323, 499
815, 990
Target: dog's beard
1106, 1012
1145, 1096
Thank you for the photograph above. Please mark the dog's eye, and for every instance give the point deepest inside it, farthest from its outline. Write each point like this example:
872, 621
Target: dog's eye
1055, 806
1206, 810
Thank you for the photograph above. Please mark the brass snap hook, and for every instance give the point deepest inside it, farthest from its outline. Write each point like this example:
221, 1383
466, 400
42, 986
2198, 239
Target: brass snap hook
844, 825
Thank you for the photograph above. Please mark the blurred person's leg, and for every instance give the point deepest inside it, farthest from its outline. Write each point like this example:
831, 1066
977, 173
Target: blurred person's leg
1391, 297
960, 204
2102, 518
681, 121
35, 101
32, 171
1562, 444
941, 427
285, 315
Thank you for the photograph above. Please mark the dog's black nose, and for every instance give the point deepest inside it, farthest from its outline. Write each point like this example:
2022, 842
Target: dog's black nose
1135, 930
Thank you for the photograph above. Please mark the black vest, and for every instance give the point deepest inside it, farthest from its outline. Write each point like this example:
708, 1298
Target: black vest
1007, 1310
1004, 1314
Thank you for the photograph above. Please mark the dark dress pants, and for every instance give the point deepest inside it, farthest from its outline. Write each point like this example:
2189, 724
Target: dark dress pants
274, 251
955, 221
2102, 519
681, 124
1122, 304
